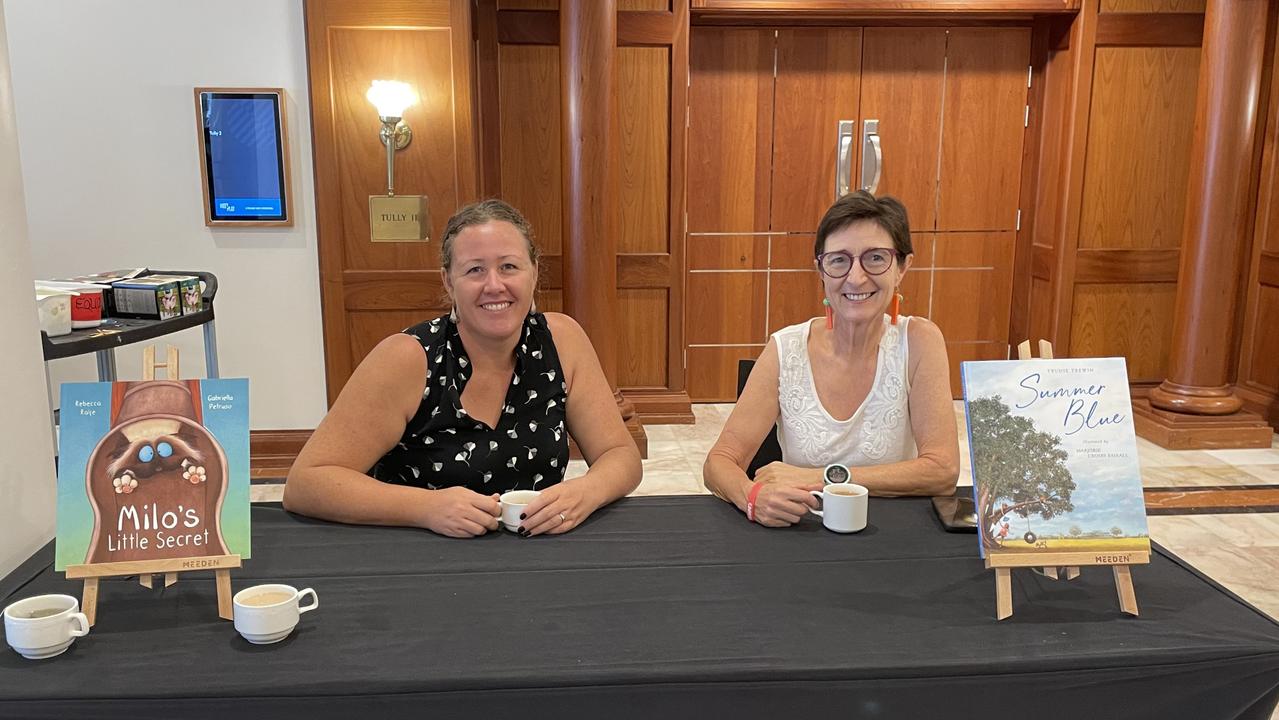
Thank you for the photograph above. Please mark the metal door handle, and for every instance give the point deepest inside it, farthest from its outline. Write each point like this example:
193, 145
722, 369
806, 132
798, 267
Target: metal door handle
844, 160
872, 156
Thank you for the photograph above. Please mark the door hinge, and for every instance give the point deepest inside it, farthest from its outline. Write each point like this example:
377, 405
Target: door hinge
1025, 121
1030, 71
1018, 219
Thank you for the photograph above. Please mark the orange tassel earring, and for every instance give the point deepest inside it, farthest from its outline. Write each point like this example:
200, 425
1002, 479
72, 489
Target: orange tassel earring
830, 315
895, 307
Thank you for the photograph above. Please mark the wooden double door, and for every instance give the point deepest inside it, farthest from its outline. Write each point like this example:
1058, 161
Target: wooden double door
764, 157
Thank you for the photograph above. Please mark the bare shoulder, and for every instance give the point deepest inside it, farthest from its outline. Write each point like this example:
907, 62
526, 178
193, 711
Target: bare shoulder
397, 353
923, 334
570, 338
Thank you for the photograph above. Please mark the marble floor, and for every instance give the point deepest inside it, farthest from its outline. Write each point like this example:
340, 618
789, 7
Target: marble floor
1239, 549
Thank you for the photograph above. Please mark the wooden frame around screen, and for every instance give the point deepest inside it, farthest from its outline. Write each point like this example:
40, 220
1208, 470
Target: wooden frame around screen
286, 174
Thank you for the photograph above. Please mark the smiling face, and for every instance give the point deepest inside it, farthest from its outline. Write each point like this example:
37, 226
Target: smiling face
491, 279
859, 296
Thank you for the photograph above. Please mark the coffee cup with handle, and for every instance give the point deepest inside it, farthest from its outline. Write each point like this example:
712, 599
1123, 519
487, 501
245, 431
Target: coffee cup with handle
843, 507
265, 614
513, 504
44, 626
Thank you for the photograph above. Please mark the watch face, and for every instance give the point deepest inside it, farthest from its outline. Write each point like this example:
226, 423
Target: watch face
836, 474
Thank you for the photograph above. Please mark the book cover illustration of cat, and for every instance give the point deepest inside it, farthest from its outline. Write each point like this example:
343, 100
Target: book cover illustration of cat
153, 470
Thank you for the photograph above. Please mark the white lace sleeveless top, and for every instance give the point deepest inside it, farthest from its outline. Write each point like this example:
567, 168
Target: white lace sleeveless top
879, 432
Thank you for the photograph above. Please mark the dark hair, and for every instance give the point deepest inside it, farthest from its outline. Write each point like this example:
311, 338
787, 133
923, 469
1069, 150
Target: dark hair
478, 214
886, 212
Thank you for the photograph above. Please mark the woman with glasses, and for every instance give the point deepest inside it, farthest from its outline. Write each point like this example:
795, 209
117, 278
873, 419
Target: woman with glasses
861, 396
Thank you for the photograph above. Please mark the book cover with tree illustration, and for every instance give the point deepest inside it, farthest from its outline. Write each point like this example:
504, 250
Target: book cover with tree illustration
1054, 456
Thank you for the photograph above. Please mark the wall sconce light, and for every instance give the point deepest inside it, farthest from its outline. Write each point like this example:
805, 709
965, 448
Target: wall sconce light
391, 98
395, 218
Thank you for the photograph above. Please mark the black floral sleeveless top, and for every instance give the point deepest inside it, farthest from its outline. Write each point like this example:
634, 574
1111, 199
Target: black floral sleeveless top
443, 446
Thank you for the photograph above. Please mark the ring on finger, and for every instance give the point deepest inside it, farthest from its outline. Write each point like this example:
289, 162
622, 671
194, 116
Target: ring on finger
563, 519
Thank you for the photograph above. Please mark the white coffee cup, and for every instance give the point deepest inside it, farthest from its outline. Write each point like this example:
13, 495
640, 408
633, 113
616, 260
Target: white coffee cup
843, 507
44, 626
513, 504
268, 613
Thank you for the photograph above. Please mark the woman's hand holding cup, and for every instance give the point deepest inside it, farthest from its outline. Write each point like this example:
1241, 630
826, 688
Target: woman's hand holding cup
560, 508
781, 505
461, 512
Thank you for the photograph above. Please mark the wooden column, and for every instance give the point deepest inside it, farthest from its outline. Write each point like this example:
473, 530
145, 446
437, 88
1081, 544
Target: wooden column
1195, 406
588, 42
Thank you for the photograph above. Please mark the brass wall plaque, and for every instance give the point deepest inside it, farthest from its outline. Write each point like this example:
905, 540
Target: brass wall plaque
399, 218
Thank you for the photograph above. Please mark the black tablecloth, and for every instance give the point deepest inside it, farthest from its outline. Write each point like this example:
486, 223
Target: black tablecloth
660, 607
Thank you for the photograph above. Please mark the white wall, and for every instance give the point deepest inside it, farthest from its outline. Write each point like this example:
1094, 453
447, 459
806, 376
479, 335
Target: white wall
106, 124
27, 481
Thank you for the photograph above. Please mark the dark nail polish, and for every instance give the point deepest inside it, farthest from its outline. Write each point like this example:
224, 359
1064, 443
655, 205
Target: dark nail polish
521, 516
522, 531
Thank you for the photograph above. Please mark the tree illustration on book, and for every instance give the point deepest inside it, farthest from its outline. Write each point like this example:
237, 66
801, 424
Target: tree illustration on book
1023, 470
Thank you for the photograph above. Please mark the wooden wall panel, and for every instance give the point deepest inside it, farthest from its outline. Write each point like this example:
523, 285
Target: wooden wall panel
972, 289
624, 5
1134, 321
643, 120
917, 292
970, 305
642, 337
529, 89
982, 128
793, 297
792, 252
1265, 348
817, 85
916, 287
922, 245
1040, 313
727, 252
528, 4
427, 166
902, 71
1138, 156
730, 130
706, 381
726, 308
550, 300
1154, 6
370, 327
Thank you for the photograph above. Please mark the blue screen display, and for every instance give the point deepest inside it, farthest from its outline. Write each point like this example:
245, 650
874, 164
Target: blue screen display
244, 157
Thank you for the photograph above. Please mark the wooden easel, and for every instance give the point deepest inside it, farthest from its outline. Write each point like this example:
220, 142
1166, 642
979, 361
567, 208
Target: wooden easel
145, 569
1047, 564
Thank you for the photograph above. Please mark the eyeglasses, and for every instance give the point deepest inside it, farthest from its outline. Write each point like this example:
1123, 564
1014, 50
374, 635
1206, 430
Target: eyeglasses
837, 263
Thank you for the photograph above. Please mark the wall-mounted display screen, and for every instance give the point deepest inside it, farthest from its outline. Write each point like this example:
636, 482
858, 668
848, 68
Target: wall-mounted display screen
244, 156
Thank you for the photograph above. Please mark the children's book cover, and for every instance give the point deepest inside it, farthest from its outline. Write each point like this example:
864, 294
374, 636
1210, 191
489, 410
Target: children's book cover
1054, 456
153, 470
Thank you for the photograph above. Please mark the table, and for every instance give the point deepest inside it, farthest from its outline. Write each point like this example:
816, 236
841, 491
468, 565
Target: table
660, 607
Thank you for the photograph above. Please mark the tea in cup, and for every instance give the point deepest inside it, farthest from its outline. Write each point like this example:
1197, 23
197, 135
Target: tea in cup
513, 504
843, 507
266, 614
44, 626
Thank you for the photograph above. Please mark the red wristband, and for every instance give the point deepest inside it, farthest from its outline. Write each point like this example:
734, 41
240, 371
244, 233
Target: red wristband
750, 500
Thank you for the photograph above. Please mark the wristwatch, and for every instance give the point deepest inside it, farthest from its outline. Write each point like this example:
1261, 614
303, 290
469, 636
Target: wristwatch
836, 473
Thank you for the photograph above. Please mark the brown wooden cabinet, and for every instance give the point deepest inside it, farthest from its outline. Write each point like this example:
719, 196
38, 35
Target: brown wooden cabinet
765, 106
